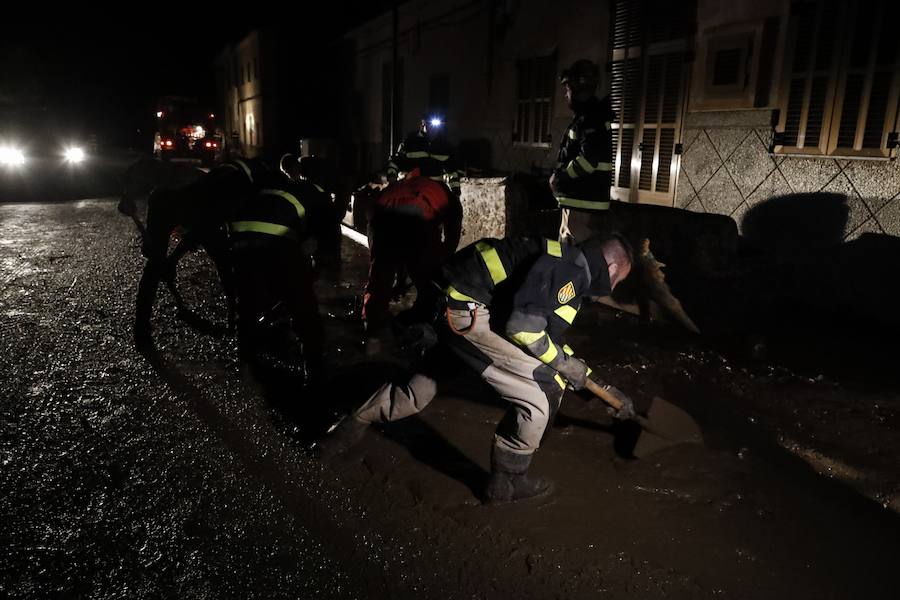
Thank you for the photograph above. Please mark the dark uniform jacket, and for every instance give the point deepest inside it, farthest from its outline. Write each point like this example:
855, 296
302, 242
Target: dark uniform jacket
585, 160
432, 157
534, 285
283, 209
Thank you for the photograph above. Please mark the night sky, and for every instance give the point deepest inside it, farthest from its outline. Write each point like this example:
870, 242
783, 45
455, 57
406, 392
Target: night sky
106, 69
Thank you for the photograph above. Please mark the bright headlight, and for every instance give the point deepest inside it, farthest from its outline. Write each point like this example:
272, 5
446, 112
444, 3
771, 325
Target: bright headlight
74, 154
11, 156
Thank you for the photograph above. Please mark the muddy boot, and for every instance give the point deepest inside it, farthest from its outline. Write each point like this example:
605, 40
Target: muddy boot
509, 481
344, 436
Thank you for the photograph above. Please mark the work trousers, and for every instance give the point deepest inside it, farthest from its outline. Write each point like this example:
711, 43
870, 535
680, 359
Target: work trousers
533, 389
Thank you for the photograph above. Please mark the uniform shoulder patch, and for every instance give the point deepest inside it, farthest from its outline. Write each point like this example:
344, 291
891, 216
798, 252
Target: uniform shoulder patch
566, 293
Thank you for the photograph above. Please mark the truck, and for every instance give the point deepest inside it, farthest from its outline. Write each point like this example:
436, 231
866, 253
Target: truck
186, 131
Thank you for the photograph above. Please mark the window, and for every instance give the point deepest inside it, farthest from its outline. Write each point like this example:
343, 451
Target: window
841, 79
534, 100
647, 90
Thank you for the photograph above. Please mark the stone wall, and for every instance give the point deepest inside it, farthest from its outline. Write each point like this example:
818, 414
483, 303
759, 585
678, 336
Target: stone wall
492, 207
726, 169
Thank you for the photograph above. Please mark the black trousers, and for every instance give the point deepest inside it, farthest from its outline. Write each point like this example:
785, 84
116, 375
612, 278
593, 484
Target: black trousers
271, 271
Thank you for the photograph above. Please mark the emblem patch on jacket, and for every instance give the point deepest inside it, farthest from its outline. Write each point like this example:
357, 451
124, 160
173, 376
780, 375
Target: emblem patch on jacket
566, 293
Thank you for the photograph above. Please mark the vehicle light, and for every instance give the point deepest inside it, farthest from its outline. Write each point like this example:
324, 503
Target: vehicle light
74, 154
11, 156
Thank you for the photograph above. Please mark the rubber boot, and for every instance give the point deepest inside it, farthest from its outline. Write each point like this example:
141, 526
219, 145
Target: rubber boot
509, 481
345, 435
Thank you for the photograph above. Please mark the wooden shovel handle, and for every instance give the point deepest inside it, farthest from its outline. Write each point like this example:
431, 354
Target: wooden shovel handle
596, 389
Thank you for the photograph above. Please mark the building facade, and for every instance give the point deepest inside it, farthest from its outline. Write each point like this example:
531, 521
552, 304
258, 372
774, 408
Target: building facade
720, 106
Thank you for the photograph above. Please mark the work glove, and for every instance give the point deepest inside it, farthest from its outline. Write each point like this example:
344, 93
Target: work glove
574, 371
627, 412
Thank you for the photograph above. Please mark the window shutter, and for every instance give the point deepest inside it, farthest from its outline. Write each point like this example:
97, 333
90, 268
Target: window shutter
842, 78
647, 94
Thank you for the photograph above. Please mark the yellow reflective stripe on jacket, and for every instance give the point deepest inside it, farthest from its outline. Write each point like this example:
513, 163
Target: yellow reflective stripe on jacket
584, 163
301, 212
568, 350
554, 249
559, 380
417, 154
261, 227
566, 202
318, 187
566, 313
570, 170
571, 133
526, 338
549, 356
492, 261
440, 157
457, 295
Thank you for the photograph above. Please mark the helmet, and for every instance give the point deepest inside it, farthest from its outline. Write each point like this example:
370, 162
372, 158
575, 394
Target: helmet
582, 73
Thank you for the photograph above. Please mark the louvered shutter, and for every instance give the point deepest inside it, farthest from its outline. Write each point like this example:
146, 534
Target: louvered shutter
647, 89
842, 78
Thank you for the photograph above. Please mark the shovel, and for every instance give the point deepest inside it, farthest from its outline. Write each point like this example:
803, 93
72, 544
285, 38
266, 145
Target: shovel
664, 425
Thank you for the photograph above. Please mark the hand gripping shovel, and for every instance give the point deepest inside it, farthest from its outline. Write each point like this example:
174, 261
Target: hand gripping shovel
663, 425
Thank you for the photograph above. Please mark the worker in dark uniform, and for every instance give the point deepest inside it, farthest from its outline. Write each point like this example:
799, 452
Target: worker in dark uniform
583, 176
313, 169
415, 225
273, 239
428, 150
508, 303
199, 213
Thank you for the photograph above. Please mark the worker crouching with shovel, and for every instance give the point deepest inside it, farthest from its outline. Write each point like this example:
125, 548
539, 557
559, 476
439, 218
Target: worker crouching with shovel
508, 302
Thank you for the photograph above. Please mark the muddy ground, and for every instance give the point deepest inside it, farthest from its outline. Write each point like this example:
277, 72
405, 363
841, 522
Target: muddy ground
179, 475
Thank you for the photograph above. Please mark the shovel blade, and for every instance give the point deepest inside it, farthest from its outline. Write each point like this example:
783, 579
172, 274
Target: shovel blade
665, 425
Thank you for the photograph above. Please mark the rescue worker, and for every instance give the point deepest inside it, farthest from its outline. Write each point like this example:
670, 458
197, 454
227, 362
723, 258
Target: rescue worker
429, 151
508, 303
199, 212
313, 170
414, 226
583, 176
273, 240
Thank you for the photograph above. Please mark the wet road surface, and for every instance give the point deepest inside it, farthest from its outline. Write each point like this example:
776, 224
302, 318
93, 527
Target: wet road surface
174, 475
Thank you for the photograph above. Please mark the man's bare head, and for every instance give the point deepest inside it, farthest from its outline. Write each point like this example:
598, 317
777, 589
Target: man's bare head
619, 258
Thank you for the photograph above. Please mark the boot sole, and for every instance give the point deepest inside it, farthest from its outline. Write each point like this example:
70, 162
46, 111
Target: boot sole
542, 494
